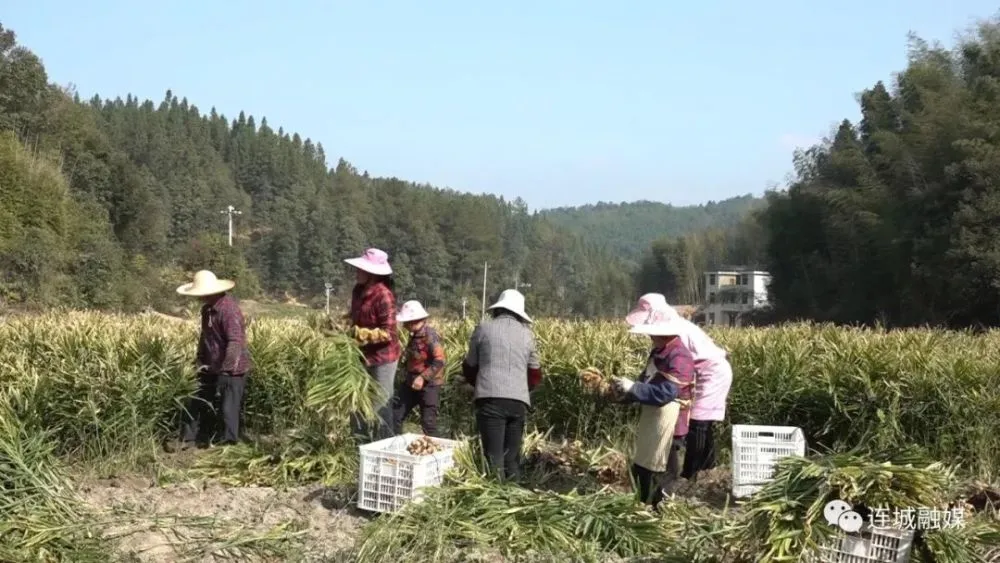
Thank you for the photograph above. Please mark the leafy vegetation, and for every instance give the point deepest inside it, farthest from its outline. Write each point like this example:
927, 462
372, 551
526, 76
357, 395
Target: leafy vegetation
107, 202
98, 393
627, 228
894, 219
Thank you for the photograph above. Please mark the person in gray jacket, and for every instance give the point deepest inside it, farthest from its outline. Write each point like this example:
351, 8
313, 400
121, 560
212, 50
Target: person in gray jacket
502, 364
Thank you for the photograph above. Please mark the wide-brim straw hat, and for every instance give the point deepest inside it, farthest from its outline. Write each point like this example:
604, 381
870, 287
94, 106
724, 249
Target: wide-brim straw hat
647, 305
373, 261
205, 283
513, 301
411, 311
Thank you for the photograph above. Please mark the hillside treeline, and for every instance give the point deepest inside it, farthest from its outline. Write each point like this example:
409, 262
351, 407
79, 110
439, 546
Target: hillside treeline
108, 202
896, 219
627, 228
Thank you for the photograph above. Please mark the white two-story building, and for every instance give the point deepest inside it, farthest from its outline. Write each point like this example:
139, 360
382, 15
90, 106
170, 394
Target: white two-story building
731, 293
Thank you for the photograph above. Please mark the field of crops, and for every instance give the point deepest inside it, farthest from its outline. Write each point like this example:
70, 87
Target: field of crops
900, 419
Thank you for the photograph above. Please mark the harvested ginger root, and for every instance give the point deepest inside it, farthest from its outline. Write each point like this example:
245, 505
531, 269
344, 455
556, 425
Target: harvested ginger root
593, 381
423, 446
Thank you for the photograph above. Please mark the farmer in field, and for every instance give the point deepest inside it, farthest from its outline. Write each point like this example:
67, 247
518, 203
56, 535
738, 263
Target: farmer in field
373, 307
223, 362
714, 377
669, 369
502, 364
424, 364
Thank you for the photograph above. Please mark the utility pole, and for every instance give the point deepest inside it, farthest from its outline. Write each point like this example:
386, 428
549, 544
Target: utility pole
329, 287
465, 300
230, 211
482, 316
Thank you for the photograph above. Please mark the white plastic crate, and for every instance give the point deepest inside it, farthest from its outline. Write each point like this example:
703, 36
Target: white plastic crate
390, 476
870, 545
756, 450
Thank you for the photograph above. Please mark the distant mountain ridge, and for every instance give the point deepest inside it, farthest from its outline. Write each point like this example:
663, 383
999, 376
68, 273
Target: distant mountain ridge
627, 229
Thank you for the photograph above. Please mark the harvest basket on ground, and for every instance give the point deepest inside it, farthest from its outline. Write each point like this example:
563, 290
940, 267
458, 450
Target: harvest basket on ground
870, 545
756, 451
393, 471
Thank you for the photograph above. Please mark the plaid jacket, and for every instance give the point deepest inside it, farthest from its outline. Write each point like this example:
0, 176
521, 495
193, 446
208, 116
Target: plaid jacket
374, 306
222, 346
425, 357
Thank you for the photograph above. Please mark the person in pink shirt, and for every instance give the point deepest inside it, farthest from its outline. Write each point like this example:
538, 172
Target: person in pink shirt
714, 377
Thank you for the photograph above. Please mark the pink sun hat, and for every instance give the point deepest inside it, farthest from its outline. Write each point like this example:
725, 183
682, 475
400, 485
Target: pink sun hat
650, 305
373, 261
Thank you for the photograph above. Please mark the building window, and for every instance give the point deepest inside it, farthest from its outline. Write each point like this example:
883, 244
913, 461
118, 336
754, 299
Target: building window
732, 319
746, 298
711, 279
711, 297
711, 318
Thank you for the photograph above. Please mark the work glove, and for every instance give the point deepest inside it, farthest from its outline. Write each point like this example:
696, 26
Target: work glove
418, 383
623, 384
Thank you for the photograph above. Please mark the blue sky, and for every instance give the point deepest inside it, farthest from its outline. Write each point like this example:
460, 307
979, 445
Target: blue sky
558, 102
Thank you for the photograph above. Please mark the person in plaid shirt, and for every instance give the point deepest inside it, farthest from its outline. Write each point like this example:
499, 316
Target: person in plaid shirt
424, 370
223, 363
373, 307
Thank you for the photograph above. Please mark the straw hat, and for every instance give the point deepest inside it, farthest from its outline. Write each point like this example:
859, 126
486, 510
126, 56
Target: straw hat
411, 311
647, 304
513, 301
205, 283
373, 261
658, 323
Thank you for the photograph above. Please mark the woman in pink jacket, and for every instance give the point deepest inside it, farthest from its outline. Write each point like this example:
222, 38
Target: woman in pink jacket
714, 377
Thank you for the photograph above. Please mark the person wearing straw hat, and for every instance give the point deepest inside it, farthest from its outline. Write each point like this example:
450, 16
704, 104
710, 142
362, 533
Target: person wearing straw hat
502, 364
373, 307
670, 365
713, 379
223, 362
424, 361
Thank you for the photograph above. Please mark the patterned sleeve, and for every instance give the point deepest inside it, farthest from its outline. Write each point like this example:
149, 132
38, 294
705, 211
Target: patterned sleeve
435, 353
232, 327
534, 361
385, 316
472, 356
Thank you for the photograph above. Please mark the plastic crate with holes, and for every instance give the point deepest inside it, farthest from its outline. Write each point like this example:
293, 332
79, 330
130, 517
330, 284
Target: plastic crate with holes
391, 476
869, 545
756, 451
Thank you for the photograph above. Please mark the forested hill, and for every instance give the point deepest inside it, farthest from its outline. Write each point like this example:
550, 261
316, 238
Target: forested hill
626, 229
109, 202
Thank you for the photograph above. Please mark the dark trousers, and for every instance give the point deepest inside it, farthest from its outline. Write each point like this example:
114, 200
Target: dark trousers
648, 483
501, 430
216, 394
699, 447
407, 399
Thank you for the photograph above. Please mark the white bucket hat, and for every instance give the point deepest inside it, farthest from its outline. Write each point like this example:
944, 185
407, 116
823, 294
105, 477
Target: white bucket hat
513, 301
205, 283
647, 305
658, 323
373, 261
411, 311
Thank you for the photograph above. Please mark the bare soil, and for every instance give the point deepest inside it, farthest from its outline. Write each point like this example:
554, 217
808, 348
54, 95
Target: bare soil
202, 521
196, 521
